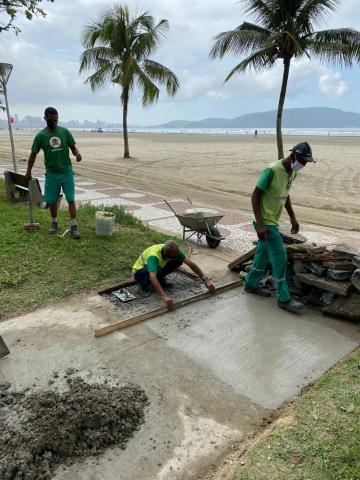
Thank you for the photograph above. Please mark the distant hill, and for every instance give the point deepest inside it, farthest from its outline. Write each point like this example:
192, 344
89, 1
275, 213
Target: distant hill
313, 117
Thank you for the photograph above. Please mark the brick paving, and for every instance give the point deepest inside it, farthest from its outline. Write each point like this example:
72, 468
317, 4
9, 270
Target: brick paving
151, 209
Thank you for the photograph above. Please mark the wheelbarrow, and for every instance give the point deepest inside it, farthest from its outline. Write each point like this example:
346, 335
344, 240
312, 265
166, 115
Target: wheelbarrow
200, 223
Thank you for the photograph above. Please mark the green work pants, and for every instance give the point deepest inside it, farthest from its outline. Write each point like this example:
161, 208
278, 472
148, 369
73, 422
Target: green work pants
273, 251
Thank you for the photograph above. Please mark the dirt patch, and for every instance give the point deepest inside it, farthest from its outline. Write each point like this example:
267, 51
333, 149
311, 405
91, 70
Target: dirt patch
43, 429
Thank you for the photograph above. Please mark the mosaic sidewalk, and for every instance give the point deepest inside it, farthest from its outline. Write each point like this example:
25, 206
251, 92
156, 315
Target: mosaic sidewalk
150, 208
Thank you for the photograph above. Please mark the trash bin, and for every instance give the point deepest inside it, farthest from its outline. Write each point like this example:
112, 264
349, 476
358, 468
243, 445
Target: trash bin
104, 223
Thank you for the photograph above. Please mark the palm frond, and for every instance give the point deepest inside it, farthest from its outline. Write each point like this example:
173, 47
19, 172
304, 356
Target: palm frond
245, 38
258, 61
93, 57
339, 47
145, 43
260, 10
117, 47
100, 77
91, 34
345, 36
315, 11
123, 73
148, 87
163, 75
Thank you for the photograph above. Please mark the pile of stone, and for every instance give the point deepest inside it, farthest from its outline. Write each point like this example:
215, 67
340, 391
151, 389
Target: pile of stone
43, 429
327, 278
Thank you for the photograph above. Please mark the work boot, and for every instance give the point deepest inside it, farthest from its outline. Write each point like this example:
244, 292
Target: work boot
291, 305
262, 292
74, 232
145, 293
53, 228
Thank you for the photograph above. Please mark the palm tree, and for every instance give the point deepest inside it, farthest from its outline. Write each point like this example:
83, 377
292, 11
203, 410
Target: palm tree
117, 47
285, 31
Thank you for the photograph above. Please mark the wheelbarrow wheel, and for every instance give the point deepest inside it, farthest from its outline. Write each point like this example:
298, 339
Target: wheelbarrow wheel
211, 241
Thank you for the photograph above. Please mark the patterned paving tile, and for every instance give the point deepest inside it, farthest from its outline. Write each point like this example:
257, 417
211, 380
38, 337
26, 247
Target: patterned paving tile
112, 192
150, 208
85, 184
149, 199
90, 195
148, 212
103, 185
170, 224
108, 202
133, 195
131, 208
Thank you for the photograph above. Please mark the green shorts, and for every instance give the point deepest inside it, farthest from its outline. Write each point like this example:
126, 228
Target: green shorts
54, 182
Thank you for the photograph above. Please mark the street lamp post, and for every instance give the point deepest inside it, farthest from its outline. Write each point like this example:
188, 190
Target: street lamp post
5, 71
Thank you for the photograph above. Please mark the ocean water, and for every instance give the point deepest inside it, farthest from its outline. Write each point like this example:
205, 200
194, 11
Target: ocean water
334, 132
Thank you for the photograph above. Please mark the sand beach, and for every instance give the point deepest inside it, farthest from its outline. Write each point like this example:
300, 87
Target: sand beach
219, 170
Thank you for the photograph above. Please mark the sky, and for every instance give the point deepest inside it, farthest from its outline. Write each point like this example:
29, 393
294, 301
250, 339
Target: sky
46, 55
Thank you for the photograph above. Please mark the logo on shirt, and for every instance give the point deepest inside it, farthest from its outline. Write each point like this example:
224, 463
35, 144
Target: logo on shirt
55, 142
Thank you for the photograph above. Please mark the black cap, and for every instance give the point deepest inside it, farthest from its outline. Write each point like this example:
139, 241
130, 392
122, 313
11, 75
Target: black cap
304, 150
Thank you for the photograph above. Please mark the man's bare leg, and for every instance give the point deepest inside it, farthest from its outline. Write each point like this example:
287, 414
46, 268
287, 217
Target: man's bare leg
54, 222
73, 225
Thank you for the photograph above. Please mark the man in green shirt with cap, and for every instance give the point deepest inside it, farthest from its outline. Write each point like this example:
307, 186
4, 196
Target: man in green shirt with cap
55, 142
270, 196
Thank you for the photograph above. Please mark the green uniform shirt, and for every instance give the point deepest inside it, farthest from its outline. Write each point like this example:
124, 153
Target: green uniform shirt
55, 145
275, 182
153, 259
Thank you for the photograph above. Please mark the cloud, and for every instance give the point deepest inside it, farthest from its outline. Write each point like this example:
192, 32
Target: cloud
332, 84
46, 63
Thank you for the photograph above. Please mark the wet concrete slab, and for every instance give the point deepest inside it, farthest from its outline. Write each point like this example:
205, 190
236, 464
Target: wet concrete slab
212, 371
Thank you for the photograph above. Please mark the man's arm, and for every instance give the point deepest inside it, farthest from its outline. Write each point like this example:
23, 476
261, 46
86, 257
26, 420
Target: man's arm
30, 165
260, 226
160, 291
76, 153
200, 274
294, 223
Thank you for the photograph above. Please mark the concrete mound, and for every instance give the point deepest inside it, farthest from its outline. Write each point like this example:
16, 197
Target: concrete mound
43, 429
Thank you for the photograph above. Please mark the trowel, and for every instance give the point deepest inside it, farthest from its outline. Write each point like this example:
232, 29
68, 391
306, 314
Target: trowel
124, 295
3, 348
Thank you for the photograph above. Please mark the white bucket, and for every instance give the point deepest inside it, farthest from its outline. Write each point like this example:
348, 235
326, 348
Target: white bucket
104, 223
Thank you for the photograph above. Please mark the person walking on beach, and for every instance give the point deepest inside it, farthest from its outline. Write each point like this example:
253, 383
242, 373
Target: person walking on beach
270, 196
256, 133
158, 261
55, 142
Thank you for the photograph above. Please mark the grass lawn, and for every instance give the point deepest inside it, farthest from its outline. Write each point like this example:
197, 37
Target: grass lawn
320, 439
36, 268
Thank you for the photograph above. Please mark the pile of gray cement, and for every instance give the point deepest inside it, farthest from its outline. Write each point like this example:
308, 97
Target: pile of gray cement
43, 429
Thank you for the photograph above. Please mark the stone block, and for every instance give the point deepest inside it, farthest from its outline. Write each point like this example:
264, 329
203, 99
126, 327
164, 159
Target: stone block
339, 275
346, 251
356, 262
348, 308
314, 268
355, 279
340, 265
289, 238
341, 288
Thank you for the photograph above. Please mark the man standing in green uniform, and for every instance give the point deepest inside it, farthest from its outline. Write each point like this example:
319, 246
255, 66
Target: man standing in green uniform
269, 198
158, 261
55, 142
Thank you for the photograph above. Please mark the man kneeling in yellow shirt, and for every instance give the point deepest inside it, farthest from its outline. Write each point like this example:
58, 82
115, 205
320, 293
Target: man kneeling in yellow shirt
158, 261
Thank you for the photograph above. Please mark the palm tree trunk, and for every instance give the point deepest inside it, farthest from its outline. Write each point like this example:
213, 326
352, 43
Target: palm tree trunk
279, 139
125, 98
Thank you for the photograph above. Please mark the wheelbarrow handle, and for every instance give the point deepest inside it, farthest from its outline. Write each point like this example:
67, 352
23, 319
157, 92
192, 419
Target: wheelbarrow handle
171, 208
